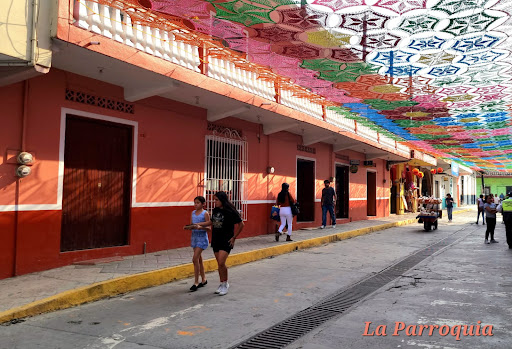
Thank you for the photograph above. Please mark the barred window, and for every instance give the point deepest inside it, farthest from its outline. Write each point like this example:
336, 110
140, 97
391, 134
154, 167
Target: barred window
226, 170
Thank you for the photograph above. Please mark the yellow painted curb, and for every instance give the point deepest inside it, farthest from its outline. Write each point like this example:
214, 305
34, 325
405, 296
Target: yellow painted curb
124, 284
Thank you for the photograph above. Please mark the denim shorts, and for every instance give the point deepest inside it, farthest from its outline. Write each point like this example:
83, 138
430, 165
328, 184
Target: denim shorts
199, 239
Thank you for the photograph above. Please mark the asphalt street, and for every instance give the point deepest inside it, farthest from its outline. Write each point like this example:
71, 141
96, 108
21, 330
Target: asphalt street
466, 283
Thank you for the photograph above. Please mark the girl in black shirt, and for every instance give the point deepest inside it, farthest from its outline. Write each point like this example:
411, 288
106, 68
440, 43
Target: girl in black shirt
223, 220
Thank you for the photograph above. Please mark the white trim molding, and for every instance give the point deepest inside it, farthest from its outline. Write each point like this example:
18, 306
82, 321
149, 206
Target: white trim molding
258, 202
164, 204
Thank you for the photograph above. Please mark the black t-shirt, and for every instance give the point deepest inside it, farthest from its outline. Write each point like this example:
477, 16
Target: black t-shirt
224, 223
449, 202
327, 196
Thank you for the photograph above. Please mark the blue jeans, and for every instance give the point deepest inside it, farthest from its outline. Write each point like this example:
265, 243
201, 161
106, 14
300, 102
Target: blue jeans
449, 210
329, 208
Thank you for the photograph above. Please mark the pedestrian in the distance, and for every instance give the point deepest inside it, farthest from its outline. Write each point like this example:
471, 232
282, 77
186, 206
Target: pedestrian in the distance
449, 206
327, 202
199, 241
480, 205
490, 218
506, 209
223, 221
285, 201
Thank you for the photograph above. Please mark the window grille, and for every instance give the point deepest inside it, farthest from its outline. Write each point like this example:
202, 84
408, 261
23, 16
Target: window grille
226, 170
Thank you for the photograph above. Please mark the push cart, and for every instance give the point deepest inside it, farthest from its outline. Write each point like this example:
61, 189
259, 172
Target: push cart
429, 216
429, 222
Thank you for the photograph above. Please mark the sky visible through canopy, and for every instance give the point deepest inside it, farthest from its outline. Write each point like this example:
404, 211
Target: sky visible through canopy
434, 73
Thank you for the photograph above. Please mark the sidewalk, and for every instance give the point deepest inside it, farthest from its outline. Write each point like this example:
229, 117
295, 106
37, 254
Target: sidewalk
68, 286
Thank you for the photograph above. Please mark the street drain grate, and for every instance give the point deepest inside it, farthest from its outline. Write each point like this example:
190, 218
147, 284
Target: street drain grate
299, 324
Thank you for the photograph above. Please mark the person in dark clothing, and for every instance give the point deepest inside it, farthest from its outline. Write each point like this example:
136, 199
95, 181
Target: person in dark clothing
327, 202
449, 206
223, 220
506, 209
480, 206
490, 218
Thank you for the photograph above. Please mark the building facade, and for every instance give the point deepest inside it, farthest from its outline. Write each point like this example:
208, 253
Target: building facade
125, 131
494, 183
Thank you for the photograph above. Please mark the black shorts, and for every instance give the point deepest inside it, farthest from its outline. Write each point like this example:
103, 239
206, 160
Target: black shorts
221, 245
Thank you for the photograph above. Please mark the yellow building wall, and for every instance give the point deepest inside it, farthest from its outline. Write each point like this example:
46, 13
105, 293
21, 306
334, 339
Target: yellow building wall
16, 23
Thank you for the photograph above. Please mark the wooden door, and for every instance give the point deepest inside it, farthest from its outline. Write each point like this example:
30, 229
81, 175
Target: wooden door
306, 190
342, 191
371, 196
97, 181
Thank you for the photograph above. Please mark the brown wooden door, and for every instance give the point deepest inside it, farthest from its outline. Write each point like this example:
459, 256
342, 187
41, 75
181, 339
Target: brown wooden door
371, 194
96, 191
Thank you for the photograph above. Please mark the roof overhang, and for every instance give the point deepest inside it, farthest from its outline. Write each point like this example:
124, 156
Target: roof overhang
218, 98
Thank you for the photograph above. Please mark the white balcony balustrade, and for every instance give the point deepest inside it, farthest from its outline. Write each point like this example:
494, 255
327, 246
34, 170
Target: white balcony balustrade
227, 72
117, 25
302, 104
403, 149
367, 133
340, 121
387, 141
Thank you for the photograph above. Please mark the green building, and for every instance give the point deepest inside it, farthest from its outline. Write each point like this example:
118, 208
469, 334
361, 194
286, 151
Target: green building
494, 183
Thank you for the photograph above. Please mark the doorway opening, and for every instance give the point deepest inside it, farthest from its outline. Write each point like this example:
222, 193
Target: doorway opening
462, 201
394, 198
342, 191
96, 185
371, 193
306, 190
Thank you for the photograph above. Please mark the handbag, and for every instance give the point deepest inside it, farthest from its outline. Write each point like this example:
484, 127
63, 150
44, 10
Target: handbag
295, 208
274, 213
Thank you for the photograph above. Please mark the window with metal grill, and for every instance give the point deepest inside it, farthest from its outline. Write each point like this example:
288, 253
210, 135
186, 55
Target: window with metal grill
226, 170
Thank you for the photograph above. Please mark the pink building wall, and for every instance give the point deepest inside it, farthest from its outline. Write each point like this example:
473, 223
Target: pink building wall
170, 162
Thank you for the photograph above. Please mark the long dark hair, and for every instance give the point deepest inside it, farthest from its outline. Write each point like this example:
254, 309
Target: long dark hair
226, 204
281, 197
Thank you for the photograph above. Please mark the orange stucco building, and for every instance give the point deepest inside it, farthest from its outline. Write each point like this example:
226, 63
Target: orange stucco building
124, 140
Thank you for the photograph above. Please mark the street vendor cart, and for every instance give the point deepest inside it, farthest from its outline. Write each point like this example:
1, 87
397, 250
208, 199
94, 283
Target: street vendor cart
429, 212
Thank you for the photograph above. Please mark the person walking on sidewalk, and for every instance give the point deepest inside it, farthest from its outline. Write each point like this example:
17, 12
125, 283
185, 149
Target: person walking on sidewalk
449, 206
480, 205
490, 217
199, 241
223, 221
506, 209
285, 201
327, 202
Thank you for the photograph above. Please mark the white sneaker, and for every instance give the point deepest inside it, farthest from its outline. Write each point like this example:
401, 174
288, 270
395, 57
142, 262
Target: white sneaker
334, 226
322, 227
224, 290
220, 288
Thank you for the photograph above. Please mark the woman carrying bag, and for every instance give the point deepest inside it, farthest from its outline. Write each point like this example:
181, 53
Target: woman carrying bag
287, 208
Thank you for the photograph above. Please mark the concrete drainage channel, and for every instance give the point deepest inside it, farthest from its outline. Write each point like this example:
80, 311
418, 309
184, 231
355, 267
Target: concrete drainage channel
296, 326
